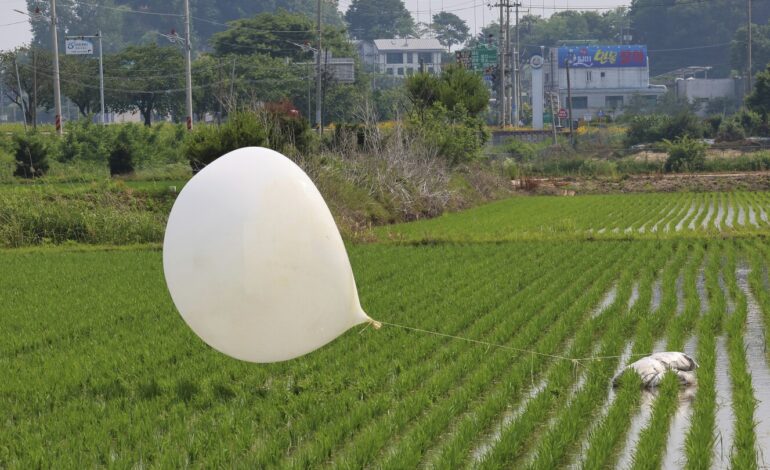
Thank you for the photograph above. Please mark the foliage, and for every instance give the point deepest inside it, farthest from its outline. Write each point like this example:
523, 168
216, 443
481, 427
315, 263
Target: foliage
681, 28
455, 88
278, 34
207, 143
151, 81
656, 127
535, 31
84, 141
31, 154
40, 85
449, 29
685, 154
378, 19
121, 158
122, 29
730, 130
80, 82
759, 98
453, 135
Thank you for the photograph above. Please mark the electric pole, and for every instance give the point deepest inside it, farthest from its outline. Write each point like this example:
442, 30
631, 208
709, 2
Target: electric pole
188, 64
56, 87
569, 103
501, 71
318, 103
517, 67
749, 46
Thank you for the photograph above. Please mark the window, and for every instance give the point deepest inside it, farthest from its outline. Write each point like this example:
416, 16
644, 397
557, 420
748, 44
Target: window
580, 102
588, 75
410, 57
602, 75
389, 71
613, 102
394, 58
425, 57
401, 70
430, 70
409, 71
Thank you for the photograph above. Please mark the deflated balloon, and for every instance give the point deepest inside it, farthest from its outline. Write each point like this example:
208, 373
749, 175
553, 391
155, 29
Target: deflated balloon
254, 261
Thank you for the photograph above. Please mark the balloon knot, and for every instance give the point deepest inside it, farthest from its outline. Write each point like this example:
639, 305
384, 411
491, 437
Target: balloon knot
375, 324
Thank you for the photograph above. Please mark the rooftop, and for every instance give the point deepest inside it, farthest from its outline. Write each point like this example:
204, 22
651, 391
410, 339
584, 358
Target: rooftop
408, 45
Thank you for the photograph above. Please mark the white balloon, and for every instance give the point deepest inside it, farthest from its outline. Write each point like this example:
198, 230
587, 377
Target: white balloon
254, 261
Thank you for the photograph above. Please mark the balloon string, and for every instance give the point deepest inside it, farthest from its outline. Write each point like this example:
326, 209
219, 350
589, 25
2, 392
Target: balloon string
576, 360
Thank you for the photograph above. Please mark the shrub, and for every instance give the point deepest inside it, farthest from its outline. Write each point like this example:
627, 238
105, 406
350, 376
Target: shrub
455, 136
520, 150
685, 154
31, 155
121, 157
730, 130
208, 143
84, 141
656, 127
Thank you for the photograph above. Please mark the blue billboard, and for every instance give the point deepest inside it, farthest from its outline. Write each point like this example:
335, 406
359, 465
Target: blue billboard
603, 56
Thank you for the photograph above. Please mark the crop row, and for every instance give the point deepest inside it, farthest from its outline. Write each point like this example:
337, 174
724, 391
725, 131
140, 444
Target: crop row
598, 216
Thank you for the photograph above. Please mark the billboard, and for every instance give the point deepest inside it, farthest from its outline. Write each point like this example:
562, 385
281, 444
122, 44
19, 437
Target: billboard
603, 56
79, 47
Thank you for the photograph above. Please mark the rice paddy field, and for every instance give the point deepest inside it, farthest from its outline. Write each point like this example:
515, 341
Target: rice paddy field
99, 370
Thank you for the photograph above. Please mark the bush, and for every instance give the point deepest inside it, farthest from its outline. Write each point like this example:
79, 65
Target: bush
520, 150
730, 130
208, 143
121, 157
453, 135
685, 154
31, 155
656, 127
84, 141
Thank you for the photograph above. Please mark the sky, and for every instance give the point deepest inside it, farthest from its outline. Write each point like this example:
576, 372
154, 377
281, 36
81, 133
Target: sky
476, 13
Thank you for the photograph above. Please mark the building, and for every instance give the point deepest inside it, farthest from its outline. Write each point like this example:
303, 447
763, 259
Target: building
603, 79
401, 57
701, 91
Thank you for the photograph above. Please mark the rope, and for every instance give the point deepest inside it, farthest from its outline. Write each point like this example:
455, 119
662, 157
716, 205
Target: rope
577, 361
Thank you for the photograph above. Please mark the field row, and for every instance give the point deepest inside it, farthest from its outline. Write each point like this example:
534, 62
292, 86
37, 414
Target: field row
659, 215
105, 372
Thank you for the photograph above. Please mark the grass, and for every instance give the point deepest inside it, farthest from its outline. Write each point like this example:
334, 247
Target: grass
102, 371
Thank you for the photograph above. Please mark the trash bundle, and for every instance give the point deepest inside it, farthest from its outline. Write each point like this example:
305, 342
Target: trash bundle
652, 369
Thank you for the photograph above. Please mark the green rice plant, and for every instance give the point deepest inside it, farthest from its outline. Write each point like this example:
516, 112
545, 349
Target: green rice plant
701, 434
744, 439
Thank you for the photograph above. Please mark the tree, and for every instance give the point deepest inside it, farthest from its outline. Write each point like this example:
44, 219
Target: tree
152, 80
80, 82
759, 99
34, 66
760, 48
450, 29
121, 27
456, 88
278, 35
379, 19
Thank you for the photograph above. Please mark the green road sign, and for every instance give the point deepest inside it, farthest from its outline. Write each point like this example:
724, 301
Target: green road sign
483, 57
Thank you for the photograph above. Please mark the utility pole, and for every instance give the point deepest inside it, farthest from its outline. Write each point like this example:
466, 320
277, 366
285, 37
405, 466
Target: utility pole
33, 107
517, 68
569, 103
509, 69
188, 64
749, 44
501, 71
56, 86
101, 76
318, 101
21, 95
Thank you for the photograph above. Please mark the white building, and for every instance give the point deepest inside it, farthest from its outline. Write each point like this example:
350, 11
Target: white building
603, 79
401, 57
702, 90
